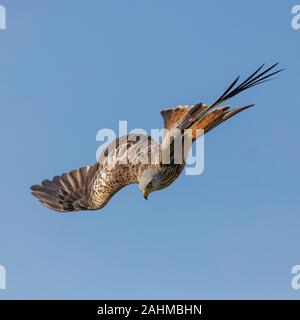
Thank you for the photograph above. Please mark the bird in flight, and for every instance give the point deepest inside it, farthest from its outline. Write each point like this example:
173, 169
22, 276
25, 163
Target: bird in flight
91, 187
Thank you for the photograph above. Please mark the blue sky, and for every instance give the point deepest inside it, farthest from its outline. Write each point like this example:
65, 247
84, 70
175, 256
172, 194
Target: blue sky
70, 68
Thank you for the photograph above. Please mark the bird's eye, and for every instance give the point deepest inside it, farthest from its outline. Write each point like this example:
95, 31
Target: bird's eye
149, 185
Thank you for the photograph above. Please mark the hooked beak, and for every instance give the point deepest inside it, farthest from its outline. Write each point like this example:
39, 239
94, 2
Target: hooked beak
146, 193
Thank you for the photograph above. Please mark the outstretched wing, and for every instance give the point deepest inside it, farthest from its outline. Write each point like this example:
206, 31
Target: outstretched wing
207, 117
91, 187
68, 192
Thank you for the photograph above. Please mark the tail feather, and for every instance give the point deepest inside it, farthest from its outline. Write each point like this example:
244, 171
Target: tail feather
215, 118
225, 116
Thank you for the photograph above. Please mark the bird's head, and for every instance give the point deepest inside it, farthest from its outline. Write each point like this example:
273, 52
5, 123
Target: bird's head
151, 180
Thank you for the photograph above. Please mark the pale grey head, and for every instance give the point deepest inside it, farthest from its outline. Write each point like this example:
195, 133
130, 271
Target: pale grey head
151, 180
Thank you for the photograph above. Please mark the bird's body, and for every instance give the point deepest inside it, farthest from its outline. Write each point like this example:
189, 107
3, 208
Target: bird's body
111, 175
138, 158
91, 187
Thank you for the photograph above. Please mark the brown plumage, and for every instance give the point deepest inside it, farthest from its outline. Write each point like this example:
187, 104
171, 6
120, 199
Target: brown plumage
125, 161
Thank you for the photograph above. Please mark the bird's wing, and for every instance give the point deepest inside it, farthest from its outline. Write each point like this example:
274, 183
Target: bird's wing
171, 116
91, 187
207, 117
69, 191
